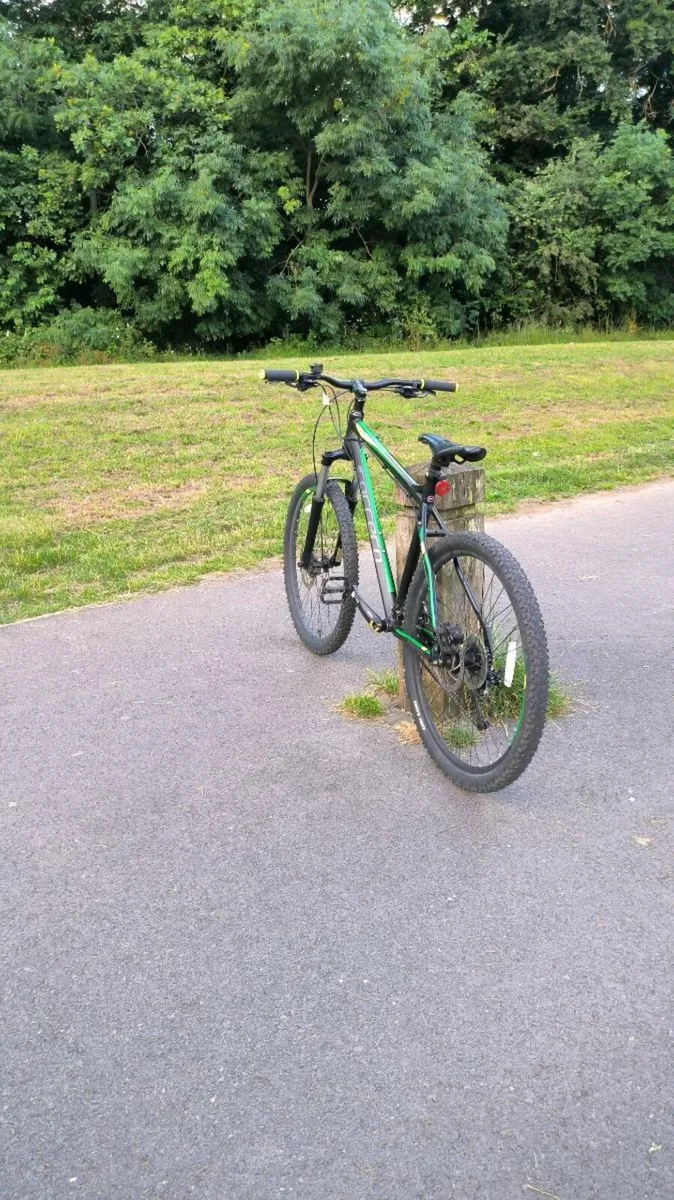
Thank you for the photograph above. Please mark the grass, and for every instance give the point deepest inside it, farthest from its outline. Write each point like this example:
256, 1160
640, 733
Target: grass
37, 353
560, 702
527, 333
385, 682
503, 704
119, 479
366, 706
361, 706
460, 737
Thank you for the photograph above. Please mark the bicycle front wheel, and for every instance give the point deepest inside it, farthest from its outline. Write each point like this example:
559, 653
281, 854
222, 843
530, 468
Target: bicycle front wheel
479, 701
319, 594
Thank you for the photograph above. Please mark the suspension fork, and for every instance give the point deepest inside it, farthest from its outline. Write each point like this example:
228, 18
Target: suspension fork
314, 517
328, 458
351, 491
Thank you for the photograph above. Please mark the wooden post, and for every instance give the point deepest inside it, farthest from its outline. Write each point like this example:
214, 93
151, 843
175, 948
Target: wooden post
459, 511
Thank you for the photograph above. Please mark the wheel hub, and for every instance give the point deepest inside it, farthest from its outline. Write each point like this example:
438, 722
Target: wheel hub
314, 569
463, 659
448, 654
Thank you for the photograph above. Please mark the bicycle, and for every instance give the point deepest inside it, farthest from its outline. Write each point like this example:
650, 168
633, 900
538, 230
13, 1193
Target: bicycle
474, 645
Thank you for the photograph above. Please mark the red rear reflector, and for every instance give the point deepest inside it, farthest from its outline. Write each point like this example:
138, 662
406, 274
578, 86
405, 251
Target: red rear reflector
442, 487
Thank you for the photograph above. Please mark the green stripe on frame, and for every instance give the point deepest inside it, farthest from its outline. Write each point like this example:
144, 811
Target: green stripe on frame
400, 633
377, 524
370, 438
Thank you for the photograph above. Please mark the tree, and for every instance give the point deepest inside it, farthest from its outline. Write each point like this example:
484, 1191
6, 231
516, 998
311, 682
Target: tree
387, 208
39, 186
226, 171
79, 27
183, 217
593, 234
552, 72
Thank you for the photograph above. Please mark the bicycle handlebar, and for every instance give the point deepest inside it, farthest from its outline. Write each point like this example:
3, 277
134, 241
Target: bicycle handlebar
439, 385
309, 378
280, 376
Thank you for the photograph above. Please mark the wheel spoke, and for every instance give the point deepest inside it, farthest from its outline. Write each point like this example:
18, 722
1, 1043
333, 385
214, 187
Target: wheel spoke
475, 700
320, 618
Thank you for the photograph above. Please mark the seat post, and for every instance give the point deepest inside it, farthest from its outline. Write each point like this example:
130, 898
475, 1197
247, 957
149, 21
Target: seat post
432, 476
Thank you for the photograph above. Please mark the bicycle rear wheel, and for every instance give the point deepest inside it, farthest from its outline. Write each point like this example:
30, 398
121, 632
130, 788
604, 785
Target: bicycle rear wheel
479, 702
321, 606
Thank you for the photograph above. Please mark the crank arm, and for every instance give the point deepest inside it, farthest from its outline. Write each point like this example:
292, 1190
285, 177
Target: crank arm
377, 623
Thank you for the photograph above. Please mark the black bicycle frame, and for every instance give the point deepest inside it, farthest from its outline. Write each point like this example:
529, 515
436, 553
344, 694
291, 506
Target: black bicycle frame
360, 437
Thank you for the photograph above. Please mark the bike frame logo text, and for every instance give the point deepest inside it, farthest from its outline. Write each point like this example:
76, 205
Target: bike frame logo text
369, 516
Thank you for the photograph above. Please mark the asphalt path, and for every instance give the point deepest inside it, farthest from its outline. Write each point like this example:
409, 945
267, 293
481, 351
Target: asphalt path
250, 949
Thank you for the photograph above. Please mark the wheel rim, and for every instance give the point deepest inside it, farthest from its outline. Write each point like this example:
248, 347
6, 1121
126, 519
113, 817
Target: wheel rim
319, 618
474, 692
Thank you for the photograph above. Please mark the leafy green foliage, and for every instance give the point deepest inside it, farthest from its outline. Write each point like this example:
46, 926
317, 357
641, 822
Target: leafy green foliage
106, 27
189, 218
226, 172
388, 205
549, 73
594, 233
77, 335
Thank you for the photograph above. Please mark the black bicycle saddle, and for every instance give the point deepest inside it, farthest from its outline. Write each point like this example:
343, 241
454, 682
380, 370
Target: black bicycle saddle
445, 452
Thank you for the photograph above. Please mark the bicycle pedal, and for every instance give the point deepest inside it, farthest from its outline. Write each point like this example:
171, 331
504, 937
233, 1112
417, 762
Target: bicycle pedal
333, 590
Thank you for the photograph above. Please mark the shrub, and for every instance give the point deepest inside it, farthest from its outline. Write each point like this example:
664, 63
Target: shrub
81, 335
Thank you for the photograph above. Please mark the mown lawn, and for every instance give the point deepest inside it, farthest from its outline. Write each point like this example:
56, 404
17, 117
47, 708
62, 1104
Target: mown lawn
116, 479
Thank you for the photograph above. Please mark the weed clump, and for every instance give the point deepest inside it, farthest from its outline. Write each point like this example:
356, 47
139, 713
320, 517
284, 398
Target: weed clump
361, 707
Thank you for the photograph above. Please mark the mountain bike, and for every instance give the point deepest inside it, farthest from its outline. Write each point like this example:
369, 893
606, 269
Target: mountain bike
474, 646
